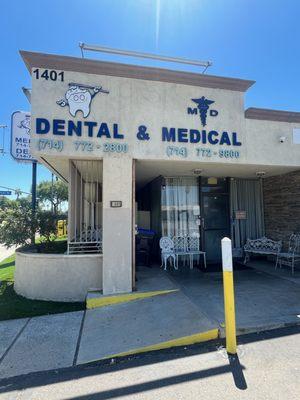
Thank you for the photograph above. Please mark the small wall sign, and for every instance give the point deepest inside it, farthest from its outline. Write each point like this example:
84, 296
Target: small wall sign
296, 136
116, 203
20, 136
240, 214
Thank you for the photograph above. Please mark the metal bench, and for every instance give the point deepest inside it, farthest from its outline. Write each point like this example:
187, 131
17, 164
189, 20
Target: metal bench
262, 246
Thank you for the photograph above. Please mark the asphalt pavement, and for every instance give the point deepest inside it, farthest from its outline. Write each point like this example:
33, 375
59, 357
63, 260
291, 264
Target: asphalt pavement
267, 367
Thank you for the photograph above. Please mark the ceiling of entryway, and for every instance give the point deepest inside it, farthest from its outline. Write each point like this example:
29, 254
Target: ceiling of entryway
149, 170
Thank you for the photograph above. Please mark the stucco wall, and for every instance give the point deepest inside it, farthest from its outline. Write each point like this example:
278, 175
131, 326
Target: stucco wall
131, 103
57, 277
282, 206
263, 147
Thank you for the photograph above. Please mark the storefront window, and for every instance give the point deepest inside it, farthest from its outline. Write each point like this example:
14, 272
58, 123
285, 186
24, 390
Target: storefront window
180, 207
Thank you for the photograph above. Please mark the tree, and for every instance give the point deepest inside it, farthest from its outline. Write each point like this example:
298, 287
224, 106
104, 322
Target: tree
55, 194
17, 220
4, 202
16, 223
46, 224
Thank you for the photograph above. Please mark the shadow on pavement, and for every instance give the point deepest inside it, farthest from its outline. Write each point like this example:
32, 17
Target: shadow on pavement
102, 367
156, 384
237, 372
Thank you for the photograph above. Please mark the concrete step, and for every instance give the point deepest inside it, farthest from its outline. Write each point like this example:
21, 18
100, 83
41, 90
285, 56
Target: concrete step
150, 283
96, 299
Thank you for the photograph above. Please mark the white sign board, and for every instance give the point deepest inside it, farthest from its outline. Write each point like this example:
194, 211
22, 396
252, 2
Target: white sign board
20, 136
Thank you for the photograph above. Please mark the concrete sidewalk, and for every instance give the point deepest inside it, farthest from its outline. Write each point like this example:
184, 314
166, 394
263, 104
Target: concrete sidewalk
264, 299
183, 316
39, 343
267, 368
63, 340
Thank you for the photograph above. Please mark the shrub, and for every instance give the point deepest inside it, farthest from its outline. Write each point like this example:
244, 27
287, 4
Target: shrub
17, 222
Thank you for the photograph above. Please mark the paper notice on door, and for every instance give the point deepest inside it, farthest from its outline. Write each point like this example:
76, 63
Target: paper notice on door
196, 210
212, 181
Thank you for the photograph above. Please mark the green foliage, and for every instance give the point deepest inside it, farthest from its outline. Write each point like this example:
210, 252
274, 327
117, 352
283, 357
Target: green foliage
46, 225
55, 194
7, 269
52, 247
16, 223
4, 202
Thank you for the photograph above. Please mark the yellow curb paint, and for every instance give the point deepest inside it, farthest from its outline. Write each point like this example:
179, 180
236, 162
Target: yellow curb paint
182, 341
123, 298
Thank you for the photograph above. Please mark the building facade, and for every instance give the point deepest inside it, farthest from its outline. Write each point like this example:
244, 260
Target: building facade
171, 152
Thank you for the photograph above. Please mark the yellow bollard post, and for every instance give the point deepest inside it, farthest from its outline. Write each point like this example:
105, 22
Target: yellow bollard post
229, 305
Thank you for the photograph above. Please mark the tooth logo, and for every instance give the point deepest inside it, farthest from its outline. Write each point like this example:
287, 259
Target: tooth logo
25, 124
79, 98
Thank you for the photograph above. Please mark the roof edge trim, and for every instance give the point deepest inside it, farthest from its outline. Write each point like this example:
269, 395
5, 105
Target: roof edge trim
272, 115
67, 63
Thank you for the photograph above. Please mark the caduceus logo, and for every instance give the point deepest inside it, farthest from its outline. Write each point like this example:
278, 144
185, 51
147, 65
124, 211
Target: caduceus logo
79, 97
202, 109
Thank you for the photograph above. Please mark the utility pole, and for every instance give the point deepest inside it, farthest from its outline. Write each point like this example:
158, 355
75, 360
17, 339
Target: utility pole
33, 201
27, 93
52, 177
2, 149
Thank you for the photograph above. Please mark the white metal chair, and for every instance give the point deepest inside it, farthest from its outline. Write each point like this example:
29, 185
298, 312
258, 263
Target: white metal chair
292, 256
166, 245
193, 249
180, 248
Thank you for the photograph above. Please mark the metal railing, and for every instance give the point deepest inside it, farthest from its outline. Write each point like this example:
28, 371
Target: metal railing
138, 54
85, 207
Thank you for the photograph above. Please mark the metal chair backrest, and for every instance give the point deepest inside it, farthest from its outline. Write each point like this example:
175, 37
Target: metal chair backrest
166, 244
180, 243
193, 243
294, 243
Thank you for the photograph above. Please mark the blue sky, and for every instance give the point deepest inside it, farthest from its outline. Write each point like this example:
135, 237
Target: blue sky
252, 39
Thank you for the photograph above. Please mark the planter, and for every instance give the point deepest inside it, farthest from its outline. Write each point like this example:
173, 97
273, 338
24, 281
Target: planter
57, 277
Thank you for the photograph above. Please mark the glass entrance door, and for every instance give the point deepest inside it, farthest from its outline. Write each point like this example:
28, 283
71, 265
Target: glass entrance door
197, 207
215, 216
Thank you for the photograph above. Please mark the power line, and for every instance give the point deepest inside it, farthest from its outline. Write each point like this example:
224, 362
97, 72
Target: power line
15, 190
2, 149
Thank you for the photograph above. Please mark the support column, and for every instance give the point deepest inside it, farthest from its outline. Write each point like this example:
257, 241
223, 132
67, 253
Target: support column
71, 196
117, 225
